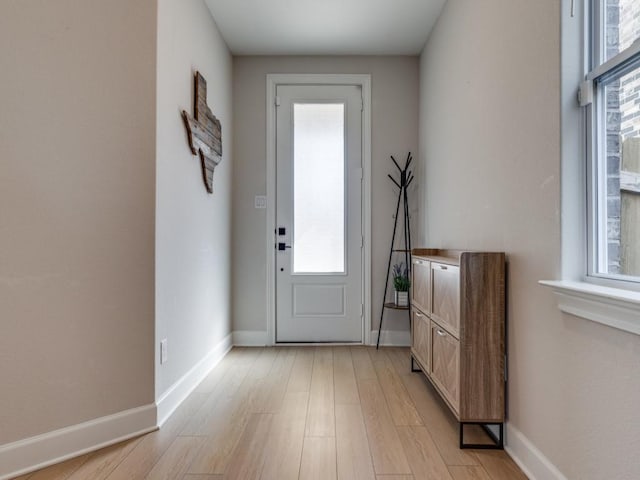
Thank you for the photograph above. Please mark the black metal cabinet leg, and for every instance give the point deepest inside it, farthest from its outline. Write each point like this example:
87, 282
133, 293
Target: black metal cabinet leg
413, 363
498, 441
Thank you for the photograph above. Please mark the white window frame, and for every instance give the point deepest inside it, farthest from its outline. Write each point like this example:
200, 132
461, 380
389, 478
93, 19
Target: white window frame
610, 301
593, 101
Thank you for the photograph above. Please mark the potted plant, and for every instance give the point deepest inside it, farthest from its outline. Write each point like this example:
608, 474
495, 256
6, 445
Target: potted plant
401, 284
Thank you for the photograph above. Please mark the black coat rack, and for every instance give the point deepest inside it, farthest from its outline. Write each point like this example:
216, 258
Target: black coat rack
406, 177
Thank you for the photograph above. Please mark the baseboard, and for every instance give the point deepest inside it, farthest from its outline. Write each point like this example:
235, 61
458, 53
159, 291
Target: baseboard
258, 338
531, 460
250, 338
392, 338
175, 395
37, 452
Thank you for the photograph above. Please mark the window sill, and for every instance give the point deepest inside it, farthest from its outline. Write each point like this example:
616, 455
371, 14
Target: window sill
610, 306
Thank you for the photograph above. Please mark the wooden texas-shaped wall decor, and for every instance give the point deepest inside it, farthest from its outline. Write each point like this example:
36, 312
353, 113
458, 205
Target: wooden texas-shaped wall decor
205, 132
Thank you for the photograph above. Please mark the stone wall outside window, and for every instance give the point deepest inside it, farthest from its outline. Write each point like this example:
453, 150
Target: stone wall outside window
623, 115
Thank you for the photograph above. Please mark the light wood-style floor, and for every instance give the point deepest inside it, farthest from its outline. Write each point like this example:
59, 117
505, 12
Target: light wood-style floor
326, 413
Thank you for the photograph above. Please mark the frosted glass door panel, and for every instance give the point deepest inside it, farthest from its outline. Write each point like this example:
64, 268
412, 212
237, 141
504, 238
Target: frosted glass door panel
318, 188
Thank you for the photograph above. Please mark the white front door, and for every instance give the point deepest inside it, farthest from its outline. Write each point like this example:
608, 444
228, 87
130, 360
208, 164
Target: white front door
319, 213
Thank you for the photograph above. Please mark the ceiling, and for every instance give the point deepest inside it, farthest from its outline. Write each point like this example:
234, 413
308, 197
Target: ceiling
325, 27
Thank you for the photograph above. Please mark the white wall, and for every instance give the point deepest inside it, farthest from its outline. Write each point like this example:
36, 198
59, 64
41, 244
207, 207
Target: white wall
490, 145
98, 212
77, 189
193, 228
394, 132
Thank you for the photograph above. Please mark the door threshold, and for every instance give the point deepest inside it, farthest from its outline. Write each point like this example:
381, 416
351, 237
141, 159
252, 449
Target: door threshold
317, 344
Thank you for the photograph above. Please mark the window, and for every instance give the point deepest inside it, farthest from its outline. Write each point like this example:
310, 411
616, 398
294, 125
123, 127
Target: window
611, 95
603, 54
318, 188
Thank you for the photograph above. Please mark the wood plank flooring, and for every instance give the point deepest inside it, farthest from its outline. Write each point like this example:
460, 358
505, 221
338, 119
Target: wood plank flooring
301, 413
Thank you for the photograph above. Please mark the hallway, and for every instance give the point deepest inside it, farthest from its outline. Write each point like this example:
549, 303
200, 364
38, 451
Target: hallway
309, 413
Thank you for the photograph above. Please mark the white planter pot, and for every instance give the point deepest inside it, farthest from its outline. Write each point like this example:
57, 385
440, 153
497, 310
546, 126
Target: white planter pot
402, 299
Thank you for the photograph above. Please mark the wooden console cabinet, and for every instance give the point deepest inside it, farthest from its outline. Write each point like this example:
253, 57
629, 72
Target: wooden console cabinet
458, 332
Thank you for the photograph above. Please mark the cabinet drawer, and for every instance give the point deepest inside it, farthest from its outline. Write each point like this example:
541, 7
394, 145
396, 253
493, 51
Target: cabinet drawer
445, 363
445, 296
421, 284
420, 338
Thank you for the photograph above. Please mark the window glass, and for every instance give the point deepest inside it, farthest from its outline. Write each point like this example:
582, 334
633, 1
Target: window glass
620, 202
622, 25
319, 191
614, 137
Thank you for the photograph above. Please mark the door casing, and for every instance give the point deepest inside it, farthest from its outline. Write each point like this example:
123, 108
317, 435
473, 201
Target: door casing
364, 81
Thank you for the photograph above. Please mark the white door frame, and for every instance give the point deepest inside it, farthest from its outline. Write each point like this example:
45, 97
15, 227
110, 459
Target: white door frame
273, 80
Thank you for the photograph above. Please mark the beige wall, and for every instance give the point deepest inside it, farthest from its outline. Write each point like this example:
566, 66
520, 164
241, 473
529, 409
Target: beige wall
394, 132
490, 145
193, 228
77, 193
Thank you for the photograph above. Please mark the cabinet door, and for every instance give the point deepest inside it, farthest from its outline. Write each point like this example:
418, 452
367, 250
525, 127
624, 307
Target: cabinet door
446, 296
421, 284
445, 370
420, 339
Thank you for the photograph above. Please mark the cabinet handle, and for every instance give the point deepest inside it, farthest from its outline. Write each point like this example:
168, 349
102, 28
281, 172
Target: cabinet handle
441, 333
443, 267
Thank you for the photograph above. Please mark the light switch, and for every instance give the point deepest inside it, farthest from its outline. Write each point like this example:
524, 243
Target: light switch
260, 201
